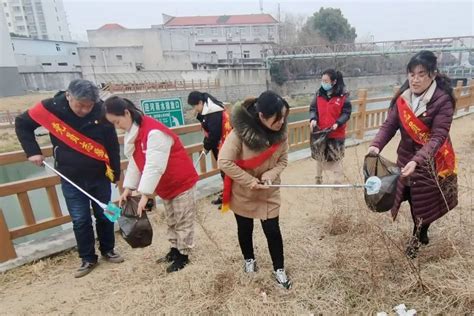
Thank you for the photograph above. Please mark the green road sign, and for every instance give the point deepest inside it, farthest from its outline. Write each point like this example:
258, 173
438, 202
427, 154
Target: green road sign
167, 111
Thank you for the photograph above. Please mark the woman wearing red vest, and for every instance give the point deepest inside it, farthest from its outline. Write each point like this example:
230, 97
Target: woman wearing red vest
330, 109
423, 111
215, 124
158, 164
255, 154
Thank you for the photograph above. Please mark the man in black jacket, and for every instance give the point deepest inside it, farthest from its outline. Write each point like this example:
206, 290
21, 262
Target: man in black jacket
81, 108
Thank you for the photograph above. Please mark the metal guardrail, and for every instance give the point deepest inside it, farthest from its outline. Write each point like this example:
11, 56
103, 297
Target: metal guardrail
443, 44
138, 87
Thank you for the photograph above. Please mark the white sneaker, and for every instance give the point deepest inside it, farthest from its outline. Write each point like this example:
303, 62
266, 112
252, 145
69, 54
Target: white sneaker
282, 279
250, 265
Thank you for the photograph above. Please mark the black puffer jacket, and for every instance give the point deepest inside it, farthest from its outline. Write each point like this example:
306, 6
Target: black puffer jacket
70, 162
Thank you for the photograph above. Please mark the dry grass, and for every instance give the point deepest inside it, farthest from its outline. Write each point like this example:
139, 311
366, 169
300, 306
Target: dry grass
342, 258
23, 102
9, 141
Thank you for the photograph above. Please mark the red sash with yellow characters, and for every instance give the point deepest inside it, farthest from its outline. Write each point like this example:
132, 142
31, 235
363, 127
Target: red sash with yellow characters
226, 128
445, 158
250, 163
71, 137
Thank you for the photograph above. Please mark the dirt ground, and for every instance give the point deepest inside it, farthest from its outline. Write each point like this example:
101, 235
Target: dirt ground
343, 259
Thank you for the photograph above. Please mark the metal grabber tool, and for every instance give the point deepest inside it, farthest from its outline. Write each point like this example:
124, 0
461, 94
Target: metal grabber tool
372, 185
203, 153
111, 211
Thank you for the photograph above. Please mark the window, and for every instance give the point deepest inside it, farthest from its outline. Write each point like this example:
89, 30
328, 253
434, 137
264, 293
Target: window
244, 31
214, 41
4, 4
257, 30
93, 57
9, 24
214, 31
200, 31
46, 64
246, 54
62, 64
213, 53
74, 53
21, 28
229, 54
59, 28
58, 47
119, 57
18, 18
7, 14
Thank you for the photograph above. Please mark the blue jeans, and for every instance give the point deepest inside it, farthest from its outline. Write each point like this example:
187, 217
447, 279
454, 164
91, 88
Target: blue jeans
79, 207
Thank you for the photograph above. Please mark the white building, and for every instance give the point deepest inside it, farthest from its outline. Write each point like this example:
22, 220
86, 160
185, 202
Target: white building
33, 55
114, 49
10, 83
45, 64
236, 40
39, 19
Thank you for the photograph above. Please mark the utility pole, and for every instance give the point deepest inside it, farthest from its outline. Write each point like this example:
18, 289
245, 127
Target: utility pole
227, 46
241, 54
279, 13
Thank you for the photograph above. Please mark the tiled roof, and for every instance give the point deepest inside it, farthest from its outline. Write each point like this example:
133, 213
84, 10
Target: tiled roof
221, 20
112, 26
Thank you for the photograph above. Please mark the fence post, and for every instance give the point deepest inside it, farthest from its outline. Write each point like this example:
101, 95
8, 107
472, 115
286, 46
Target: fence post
457, 94
471, 93
362, 96
8, 250
9, 117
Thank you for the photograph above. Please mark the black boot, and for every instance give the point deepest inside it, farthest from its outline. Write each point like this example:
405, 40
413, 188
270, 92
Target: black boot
424, 235
170, 256
180, 262
218, 200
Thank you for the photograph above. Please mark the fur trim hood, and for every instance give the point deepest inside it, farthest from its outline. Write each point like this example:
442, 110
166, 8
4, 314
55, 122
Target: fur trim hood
252, 133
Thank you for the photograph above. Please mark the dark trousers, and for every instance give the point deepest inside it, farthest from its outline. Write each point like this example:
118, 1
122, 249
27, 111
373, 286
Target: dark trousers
271, 228
79, 207
420, 231
215, 153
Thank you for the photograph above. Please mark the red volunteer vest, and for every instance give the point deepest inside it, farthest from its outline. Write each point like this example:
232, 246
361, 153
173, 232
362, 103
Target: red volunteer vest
179, 175
328, 112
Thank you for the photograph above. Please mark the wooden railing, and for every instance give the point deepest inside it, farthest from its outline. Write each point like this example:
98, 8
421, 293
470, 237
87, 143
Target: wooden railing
136, 87
361, 121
